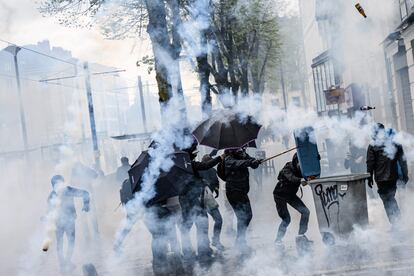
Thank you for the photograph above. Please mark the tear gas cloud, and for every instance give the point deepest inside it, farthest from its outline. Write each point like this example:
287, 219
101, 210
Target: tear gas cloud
279, 122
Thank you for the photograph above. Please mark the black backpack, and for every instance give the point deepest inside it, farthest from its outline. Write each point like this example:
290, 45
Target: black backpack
221, 170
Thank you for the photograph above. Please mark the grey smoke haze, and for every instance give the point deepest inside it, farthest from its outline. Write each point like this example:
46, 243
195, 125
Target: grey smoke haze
24, 189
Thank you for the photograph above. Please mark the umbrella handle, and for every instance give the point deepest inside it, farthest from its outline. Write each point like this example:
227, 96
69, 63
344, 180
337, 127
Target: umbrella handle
279, 154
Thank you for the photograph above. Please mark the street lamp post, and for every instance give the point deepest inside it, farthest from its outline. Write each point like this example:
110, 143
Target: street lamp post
14, 50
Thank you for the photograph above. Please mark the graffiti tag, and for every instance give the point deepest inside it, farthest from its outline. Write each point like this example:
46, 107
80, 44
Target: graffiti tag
328, 197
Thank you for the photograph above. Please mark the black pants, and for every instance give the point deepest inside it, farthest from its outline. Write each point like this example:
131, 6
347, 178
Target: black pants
158, 223
386, 191
282, 210
240, 203
218, 223
193, 212
65, 227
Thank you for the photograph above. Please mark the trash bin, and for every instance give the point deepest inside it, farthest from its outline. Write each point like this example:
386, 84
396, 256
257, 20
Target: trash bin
340, 203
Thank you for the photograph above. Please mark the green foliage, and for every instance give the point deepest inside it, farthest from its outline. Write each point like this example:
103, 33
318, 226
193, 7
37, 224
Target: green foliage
248, 37
147, 60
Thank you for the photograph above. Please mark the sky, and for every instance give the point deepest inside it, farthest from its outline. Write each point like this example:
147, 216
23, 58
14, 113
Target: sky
22, 23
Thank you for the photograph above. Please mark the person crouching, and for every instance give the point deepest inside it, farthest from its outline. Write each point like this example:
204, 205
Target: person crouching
289, 181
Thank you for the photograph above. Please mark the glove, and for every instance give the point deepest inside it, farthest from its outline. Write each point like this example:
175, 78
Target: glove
406, 179
255, 164
85, 208
304, 183
370, 182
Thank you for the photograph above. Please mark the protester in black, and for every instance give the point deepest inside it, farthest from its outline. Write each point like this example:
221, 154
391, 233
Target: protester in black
61, 201
289, 181
213, 186
384, 157
193, 209
237, 163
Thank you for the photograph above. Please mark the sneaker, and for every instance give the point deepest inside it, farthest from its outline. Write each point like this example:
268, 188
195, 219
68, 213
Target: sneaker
218, 245
279, 243
310, 242
303, 244
188, 255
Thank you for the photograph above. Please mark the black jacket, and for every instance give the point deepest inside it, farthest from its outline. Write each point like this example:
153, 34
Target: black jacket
210, 176
195, 183
289, 181
202, 166
237, 173
382, 167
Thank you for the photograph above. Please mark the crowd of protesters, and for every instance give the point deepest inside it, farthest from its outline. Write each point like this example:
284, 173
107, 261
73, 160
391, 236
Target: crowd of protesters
385, 162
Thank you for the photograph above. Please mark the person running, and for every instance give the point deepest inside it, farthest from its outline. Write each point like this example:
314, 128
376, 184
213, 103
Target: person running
61, 201
236, 169
213, 186
289, 181
384, 158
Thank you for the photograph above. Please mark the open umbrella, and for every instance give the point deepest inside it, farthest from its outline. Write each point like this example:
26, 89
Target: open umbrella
226, 129
170, 183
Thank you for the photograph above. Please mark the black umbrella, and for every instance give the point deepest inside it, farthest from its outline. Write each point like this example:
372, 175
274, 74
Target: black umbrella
226, 129
168, 184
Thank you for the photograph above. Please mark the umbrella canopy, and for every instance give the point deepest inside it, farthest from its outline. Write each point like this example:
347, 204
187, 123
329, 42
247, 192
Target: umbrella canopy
168, 184
226, 129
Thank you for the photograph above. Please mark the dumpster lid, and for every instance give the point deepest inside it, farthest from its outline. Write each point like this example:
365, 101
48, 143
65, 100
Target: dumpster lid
341, 178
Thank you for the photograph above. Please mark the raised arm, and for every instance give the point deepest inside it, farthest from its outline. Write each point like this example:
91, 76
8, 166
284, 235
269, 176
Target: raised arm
75, 192
202, 166
232, 164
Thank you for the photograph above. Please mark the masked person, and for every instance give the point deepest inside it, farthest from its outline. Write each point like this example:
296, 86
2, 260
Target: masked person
213, 186
384, 157
236, 169
289, 181
193, 208
61, 201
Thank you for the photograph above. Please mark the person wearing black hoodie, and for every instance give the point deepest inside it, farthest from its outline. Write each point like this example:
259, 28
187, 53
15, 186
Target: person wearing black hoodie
193, 209
289, 181
384, 158
237, 163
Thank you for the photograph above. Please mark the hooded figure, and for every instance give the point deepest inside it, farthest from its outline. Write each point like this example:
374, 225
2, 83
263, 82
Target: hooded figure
384, 158
193, 208
213, 186
61, 201
289, 181
237, 163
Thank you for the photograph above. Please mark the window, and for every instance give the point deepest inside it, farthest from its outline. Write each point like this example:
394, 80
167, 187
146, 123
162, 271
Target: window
403, 9
8, 66
324, 78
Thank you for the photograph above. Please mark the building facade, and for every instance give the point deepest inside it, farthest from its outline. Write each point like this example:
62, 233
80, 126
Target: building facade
56, 111
399, 55
344, 61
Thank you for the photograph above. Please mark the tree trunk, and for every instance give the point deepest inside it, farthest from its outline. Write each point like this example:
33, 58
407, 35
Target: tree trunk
175, 51
158, 32
166, 54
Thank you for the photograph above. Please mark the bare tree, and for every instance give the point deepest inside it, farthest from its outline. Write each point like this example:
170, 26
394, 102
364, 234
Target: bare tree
128, 18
